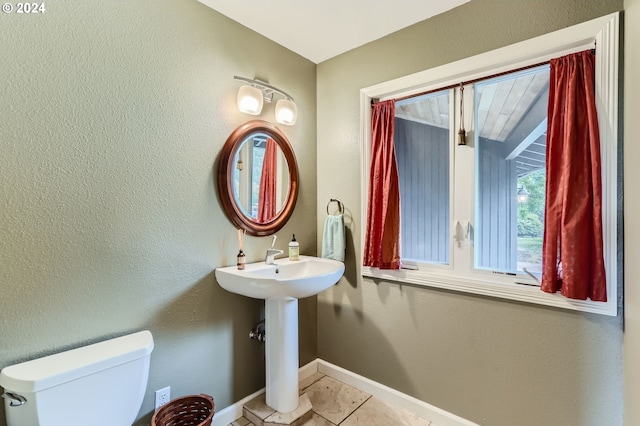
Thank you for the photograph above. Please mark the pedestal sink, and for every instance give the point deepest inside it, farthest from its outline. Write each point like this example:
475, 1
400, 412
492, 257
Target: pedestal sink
281, 285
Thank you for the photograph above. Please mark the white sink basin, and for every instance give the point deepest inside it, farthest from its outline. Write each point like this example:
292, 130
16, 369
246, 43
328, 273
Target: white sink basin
298, 279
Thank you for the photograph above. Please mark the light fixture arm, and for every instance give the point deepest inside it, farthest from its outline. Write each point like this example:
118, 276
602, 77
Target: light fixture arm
267, 89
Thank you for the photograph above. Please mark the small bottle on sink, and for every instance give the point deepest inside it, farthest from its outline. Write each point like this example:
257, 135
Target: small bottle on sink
294, 249
242, 259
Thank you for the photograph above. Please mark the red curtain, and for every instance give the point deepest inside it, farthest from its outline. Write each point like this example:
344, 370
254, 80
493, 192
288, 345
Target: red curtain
267, 194
572, 258
382, 246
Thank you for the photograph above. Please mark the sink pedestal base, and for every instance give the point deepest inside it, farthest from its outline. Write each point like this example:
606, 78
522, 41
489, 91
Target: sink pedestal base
281, 324
260, 414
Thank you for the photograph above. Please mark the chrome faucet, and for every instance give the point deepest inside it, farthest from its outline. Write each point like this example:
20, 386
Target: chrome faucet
272, 252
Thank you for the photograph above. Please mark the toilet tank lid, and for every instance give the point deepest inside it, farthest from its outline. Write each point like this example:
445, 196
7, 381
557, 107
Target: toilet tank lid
53, 370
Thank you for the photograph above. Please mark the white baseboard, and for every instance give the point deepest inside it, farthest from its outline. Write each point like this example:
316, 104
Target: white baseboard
391, 396
309, 369
233, 412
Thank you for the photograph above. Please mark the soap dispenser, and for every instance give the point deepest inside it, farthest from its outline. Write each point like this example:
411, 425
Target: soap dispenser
294, 249
242, 259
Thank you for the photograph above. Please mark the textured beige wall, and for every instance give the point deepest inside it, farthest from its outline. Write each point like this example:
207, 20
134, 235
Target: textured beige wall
631, 207
491, 361
112, 114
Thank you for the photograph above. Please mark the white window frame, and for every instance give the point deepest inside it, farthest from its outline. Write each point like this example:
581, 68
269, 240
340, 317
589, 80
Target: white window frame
460, 275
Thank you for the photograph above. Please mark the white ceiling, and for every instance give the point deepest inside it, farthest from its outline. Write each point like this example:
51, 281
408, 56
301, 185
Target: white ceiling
321, 29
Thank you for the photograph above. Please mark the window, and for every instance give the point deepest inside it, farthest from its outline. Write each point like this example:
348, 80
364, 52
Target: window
510, 122
421, 140
472, 216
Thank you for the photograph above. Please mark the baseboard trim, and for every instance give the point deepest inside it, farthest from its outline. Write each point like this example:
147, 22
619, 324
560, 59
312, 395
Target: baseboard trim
233, 412
309, 369
391, 396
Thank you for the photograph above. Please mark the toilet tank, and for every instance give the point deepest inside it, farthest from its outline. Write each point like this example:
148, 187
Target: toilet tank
100, 385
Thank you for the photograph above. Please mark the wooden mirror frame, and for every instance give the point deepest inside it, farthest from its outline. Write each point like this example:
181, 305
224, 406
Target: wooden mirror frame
226, 164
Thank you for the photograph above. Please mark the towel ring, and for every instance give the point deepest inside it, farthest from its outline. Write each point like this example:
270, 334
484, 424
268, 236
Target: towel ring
340, 205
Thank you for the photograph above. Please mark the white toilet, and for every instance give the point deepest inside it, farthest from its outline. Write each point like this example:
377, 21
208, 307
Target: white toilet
101, 384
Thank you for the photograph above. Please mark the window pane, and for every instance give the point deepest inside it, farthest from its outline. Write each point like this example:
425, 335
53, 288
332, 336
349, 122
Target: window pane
511, 124
422, 152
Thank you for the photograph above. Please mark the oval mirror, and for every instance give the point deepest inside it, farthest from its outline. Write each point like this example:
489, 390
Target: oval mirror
258, 178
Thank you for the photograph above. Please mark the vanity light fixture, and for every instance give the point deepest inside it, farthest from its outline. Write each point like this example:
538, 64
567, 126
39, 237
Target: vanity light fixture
286, 112
251, 98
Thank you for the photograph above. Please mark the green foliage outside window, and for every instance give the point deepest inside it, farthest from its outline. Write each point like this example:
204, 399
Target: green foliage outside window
531, 212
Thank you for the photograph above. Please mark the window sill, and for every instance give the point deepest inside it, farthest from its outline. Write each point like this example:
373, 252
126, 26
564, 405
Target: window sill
484, 287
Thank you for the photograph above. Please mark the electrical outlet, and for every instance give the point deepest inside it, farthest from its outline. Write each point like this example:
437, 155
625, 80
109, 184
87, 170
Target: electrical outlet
163, 396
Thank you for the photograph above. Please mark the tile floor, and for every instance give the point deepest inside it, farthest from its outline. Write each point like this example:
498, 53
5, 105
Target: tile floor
336, 403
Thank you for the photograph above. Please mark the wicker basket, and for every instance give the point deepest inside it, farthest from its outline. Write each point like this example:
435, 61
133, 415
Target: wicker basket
192, 410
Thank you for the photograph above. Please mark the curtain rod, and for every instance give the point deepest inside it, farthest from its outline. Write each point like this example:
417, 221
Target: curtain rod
463, 83
475, 80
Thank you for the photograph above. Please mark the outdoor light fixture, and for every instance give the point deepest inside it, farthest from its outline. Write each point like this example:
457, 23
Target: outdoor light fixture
251, 98
523, 194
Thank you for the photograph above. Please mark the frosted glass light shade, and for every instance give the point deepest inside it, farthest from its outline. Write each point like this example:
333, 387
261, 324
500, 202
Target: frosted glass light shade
250, 100
286, 112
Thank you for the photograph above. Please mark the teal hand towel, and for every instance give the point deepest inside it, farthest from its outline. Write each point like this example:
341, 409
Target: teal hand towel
333, 241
